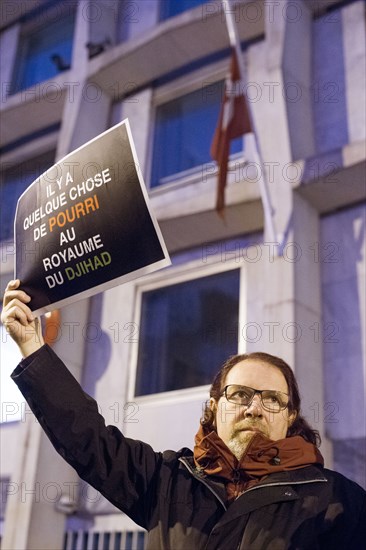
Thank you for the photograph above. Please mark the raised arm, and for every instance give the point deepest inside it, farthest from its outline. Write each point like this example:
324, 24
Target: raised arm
123, 470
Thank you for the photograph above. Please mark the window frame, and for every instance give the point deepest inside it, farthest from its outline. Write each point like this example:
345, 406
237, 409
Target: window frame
179, 87
27, 153
192, 270
34, 23
23, 153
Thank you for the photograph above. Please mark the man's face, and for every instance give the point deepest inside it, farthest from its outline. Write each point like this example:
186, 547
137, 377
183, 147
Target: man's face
237, 424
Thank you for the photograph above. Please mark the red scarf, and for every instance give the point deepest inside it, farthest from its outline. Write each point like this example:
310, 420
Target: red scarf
262, 457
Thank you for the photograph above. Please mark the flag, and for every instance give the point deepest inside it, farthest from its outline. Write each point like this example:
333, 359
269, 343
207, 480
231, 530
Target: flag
234, 121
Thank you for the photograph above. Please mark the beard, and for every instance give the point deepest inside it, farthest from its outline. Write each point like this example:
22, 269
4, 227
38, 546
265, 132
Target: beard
242, 434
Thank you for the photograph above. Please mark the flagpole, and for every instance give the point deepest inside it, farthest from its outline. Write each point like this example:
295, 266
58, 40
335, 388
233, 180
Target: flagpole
263, 185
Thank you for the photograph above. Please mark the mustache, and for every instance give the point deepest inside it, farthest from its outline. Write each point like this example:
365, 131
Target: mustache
254, 425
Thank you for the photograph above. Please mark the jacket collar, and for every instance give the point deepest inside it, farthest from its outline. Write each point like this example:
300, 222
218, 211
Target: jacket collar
281, 484
307, 474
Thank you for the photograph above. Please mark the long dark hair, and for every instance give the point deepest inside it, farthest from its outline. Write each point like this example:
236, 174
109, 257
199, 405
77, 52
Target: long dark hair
299, 427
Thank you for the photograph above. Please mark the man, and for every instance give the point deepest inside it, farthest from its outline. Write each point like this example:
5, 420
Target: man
255, 479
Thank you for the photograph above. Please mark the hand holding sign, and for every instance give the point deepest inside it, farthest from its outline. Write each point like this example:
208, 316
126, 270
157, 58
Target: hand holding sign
19, 320
85, 225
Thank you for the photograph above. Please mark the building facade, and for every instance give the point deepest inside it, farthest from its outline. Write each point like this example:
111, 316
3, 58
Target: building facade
147, 350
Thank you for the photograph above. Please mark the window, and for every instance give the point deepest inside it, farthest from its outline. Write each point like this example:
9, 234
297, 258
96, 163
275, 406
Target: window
44, 52
329, 86
343, 252
169, 8
13, 181
187, 331
184, 128
128, 13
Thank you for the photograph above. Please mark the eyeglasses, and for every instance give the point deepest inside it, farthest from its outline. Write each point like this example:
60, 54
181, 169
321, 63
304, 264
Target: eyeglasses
272, 401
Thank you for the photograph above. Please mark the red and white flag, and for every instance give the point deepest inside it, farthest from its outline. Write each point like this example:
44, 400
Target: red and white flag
234, 121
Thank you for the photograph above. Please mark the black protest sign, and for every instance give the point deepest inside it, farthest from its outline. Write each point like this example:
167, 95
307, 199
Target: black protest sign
85, 225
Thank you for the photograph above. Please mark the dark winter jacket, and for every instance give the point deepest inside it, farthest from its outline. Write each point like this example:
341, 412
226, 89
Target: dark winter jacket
309, 508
